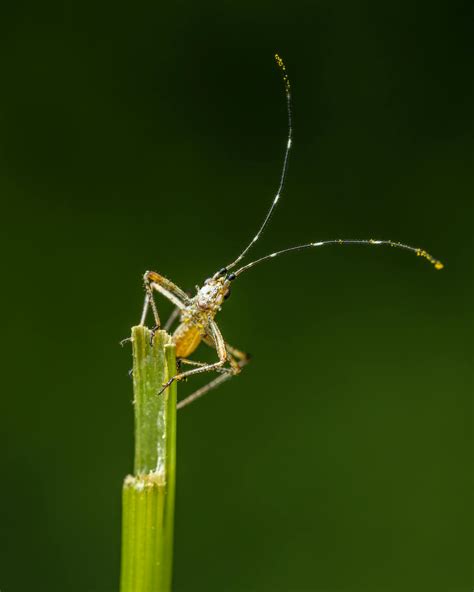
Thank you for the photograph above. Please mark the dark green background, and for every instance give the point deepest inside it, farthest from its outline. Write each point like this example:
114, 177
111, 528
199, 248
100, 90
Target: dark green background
149, 136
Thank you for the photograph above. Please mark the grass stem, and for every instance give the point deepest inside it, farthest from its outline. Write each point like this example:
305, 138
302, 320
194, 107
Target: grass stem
148, 494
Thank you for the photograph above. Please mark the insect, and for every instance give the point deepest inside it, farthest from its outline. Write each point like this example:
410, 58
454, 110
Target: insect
197, 313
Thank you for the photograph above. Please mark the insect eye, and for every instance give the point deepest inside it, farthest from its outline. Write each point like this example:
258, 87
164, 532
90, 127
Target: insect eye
231, 277
222, 271
227, 294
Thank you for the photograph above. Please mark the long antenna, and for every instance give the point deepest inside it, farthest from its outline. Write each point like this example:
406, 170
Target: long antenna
420, 252
286, 82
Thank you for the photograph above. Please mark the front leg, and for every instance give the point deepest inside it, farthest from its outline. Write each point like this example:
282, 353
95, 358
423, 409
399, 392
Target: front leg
155, 281
213, 332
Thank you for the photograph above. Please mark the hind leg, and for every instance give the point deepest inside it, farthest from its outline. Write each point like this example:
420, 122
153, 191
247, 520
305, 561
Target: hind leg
237, 360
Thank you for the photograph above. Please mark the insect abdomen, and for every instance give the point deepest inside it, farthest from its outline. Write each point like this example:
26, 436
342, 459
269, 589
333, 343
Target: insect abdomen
186, 338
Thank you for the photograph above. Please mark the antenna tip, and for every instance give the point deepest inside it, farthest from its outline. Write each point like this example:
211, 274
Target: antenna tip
437, 264
281, 65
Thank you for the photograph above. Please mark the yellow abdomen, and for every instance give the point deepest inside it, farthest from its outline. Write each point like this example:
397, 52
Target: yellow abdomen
186, 338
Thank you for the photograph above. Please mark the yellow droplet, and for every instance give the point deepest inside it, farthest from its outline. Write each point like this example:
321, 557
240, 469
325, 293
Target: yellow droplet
281, 65
438, 265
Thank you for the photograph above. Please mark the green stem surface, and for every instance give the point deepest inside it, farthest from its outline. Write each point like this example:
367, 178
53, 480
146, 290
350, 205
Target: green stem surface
148, 495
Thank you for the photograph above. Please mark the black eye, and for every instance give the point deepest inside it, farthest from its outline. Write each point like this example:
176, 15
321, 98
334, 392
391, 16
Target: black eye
227, 294
231, 277
222, 271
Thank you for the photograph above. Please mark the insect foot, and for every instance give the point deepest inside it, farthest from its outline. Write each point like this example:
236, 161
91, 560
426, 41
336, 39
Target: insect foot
165, 386
153, 333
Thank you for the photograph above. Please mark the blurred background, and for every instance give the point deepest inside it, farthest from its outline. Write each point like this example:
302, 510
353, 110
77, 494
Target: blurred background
150, 136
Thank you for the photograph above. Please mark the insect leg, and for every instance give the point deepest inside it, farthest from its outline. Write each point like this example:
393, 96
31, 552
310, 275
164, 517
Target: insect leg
213, 332
217, 381
173, 316
201, 364
149, 300
142, 319
203, 390
167, 288
237, 353
155, 281
146, 304
191, 362
242, 357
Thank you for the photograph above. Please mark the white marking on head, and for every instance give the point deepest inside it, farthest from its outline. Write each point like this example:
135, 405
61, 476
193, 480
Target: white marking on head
209, 296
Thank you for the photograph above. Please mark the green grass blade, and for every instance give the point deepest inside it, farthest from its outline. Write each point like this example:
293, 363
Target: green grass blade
148, 495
